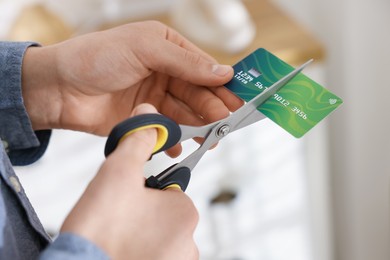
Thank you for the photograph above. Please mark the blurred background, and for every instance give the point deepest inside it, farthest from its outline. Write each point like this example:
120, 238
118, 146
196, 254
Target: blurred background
261, 194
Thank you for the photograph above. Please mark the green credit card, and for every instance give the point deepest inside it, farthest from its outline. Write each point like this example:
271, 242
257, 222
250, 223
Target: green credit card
297, 107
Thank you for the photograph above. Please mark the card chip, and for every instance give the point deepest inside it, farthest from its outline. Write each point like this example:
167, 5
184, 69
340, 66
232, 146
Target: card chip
254, 72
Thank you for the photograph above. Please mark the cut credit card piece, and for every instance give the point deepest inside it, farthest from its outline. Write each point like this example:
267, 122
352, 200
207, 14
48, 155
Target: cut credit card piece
297, 107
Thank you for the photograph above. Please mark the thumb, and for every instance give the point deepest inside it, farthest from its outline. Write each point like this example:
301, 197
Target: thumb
187, 65
136, 148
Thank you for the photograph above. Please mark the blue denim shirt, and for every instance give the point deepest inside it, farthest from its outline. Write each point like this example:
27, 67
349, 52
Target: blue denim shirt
22, 235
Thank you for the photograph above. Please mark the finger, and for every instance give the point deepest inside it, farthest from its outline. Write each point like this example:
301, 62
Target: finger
185, 64
194, 254
174, 151
175, 37
232, 101
180, 112
136, 148
143, 108
201, 100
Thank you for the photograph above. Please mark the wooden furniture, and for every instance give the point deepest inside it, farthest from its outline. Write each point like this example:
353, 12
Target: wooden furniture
276, 32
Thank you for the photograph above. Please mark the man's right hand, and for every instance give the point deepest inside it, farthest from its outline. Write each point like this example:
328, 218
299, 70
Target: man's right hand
126, 219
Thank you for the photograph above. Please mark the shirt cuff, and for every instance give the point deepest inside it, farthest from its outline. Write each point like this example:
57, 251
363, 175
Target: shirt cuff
24, 146
71, 246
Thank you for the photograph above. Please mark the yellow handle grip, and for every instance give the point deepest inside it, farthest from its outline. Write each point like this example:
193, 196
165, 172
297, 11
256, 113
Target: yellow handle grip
162, 135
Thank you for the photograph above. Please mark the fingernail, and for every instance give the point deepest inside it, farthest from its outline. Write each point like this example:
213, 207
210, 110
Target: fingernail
144, 109
221, 70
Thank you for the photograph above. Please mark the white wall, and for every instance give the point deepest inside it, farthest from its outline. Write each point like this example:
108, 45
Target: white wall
357, 39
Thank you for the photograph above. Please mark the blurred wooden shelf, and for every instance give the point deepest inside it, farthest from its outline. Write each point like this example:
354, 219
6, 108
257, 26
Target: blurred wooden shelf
276, 32
37, 23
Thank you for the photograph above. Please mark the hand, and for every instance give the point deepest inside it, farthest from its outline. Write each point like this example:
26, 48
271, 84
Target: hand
92, 82
126, 219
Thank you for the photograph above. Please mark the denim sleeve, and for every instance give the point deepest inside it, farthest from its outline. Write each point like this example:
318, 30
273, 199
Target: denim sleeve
24, 146
70, 246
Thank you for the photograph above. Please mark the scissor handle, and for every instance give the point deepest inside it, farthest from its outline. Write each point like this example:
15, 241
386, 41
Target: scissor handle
179, 178
169, 132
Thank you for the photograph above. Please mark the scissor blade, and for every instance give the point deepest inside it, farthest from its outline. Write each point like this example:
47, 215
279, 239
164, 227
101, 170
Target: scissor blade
252, 118
239, 117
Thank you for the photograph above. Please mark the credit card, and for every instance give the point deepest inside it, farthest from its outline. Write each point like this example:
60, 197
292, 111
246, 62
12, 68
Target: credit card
297, 107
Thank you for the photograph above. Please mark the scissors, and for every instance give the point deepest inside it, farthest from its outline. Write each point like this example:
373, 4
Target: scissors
170, 133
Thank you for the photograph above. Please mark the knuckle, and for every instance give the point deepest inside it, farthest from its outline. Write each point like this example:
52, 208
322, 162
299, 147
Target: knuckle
213, 109
192, 214
196, 252
195, 217
155, 24
193, 57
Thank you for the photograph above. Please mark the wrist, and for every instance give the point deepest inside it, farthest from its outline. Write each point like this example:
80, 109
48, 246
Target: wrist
40, 88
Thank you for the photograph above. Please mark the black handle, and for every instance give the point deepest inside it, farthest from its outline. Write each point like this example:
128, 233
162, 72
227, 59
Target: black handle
137, 122
180, 176
172, 135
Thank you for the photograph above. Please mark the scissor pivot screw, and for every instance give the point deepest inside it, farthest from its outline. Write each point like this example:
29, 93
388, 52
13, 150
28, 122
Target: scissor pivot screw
223, 131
